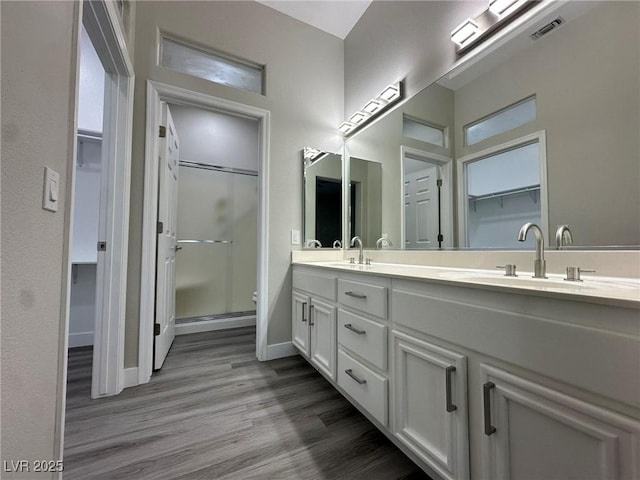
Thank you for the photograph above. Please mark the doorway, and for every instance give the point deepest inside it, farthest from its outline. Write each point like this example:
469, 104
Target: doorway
426, 194
98, 230
157, 95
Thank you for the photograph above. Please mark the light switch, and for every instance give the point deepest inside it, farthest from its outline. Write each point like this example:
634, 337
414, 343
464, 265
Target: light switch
51, 190
295, 237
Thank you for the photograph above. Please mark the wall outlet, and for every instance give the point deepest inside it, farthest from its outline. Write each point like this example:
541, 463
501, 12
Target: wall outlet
295, 237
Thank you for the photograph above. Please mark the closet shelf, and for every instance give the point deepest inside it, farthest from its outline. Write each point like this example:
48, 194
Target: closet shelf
533, 190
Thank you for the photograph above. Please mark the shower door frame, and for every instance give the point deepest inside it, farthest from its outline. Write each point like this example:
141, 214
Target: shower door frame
157, 93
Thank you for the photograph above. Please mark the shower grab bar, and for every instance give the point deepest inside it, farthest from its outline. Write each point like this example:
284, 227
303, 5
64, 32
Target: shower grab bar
205, 241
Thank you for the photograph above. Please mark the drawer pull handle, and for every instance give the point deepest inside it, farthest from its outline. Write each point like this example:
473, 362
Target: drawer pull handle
486, 390
348, 326
311, 315
360, 381
355, 295
447, 376
304, 307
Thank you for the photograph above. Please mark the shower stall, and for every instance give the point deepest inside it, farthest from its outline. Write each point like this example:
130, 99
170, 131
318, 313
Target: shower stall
216, 265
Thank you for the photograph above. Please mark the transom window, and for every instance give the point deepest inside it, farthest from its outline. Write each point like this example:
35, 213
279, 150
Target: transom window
213, 66
502, 121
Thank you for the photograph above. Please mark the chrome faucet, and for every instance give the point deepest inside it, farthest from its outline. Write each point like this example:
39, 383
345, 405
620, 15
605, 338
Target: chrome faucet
337, 244
355, 240
383, 240
563, 237
314, 243
539, 264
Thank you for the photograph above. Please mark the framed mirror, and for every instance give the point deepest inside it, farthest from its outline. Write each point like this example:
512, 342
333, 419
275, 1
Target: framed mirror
541, 130
322, 199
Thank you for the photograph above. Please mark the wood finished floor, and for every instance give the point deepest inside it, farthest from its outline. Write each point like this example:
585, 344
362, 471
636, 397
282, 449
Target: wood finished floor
214, 411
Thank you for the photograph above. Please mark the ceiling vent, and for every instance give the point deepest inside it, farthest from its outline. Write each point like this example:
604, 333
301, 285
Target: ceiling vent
547, 28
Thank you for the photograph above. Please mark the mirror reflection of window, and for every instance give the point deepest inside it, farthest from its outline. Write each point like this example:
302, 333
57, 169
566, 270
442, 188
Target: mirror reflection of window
503, 192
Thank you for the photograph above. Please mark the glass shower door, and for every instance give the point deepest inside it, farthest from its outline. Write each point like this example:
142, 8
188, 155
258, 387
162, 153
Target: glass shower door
216, 268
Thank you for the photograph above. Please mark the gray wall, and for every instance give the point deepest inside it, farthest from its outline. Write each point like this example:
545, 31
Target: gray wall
397, 40
306, 105
38, 110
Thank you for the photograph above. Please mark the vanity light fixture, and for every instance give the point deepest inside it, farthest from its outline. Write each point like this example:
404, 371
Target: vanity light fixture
500, 13
346, 127
390, 95
501, 6
358, 118
372, 107
464, 32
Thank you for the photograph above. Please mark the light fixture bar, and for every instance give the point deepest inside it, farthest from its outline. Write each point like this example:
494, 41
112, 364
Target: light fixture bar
390, 95
464, 32
501, 6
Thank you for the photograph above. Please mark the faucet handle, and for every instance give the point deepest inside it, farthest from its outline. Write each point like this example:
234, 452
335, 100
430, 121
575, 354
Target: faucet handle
509, 270
573, 274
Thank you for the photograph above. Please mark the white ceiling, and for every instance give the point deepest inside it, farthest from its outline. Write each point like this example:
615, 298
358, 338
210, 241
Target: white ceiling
333, 16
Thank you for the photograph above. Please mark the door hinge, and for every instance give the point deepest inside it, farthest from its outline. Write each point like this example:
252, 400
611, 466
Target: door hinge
163, 131
156, 329
440, 237
160, 227
102, 246
439, 182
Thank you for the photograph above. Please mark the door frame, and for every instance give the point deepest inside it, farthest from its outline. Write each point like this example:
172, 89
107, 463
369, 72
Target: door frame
104, 26
158, 92
446, 166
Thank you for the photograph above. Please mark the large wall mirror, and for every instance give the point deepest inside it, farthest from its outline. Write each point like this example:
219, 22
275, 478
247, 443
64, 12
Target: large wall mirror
543, 131
322, 199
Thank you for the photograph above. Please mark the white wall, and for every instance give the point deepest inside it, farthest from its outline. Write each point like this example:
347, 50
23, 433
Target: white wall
39, 41
91, 88
82, 307
306, 106
216, 139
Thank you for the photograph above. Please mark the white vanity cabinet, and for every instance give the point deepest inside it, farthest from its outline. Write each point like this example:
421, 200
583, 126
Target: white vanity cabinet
536, 432
430, 404
313, 328
552, 384
480, 383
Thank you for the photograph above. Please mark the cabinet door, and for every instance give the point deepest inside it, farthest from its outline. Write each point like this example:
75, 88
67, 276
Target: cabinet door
430, 404
300, 322
322, 321
534, 432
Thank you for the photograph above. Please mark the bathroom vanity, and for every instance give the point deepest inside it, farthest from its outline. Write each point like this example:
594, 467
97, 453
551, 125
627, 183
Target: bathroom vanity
476, 375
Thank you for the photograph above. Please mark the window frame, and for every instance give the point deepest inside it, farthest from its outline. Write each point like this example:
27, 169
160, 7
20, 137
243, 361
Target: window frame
461, 165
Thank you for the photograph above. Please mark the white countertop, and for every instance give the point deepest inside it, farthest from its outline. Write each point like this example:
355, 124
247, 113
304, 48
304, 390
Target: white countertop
623, 292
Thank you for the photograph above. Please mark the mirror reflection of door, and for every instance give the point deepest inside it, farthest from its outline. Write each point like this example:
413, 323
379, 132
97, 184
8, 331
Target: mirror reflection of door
328, 210
421, 204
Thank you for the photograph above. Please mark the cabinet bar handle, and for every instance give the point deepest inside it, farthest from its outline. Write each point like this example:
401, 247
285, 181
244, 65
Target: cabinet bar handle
355, 295
486, 390
349, 372
304, 306
311, 315
447, 377
348, 326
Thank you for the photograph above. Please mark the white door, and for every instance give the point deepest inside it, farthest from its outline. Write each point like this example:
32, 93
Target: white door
322, 321
533, 432
165, 318
430, 404
421, 208
300, 326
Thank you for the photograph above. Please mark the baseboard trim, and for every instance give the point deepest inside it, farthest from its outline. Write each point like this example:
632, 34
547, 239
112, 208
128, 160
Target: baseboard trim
81, 339
281, 350
130, 377
218, 324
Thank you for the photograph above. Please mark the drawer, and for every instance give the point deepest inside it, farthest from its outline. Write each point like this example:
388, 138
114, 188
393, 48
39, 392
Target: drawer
320, 285
365, 297
363, 337
366, 387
